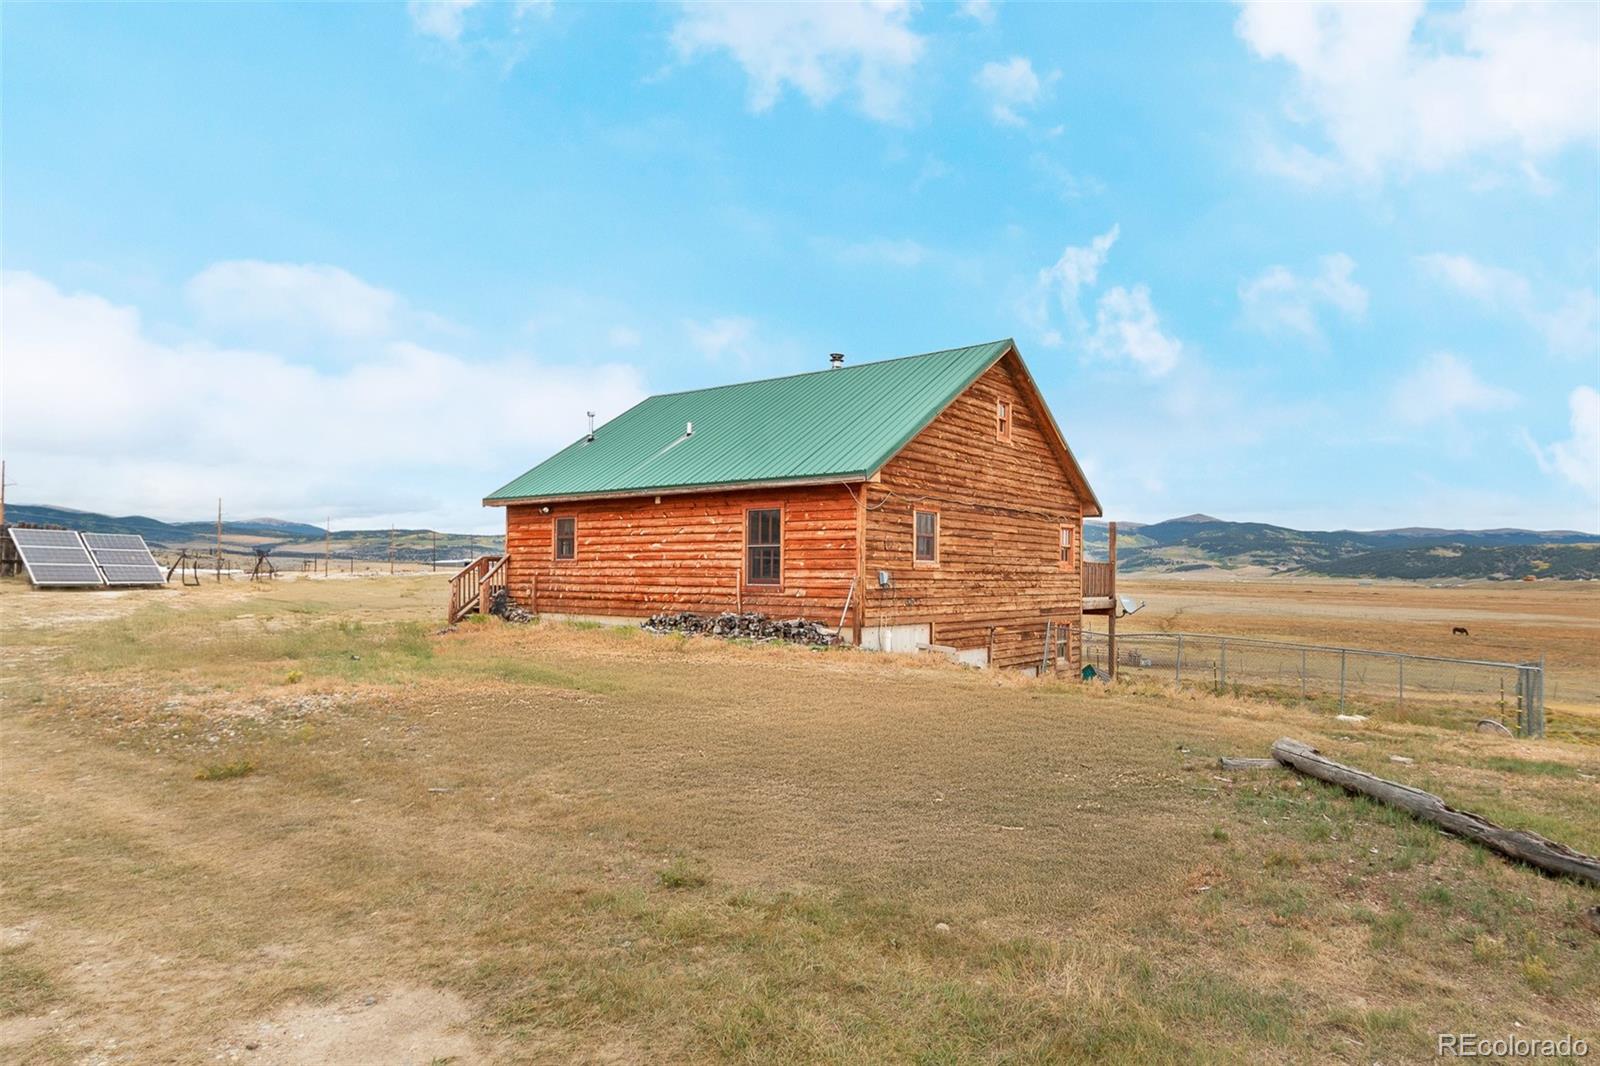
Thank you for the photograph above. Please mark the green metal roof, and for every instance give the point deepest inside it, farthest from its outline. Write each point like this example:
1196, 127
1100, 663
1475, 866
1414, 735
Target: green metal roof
830, 424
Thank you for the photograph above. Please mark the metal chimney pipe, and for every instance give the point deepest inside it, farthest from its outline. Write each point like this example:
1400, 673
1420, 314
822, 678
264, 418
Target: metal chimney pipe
836, 360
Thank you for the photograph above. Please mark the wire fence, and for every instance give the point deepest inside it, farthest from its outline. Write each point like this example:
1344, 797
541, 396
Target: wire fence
1396, 684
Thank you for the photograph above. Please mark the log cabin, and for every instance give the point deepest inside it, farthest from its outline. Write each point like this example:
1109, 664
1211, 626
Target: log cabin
926, 502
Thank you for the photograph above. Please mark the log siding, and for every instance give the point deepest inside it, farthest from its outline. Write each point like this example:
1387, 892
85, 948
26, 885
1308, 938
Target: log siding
636, 557
1002, 503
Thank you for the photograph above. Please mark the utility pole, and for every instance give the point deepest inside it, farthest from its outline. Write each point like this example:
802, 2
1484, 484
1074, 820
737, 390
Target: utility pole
2, 492
219, 539
391, 548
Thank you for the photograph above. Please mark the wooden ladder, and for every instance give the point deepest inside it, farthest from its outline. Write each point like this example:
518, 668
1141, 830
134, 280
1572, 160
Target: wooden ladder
472, 588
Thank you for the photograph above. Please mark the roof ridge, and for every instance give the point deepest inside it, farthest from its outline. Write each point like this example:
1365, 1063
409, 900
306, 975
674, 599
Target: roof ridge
833, 370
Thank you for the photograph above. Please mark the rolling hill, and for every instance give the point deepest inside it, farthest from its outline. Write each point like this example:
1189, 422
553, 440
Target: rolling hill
294, 540
1196, 542
1201, 542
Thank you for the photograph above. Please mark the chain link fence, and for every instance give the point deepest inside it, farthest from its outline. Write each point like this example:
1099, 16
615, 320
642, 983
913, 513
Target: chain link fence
1424, 688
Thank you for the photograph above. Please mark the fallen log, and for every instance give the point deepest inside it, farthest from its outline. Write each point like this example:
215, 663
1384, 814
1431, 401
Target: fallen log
1229, 762
1518, 844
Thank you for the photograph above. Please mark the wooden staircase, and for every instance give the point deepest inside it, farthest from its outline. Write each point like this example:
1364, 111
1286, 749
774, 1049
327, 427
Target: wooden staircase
474, 585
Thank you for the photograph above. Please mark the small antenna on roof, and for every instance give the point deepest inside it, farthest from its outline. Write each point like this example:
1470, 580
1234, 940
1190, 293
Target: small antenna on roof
590, 437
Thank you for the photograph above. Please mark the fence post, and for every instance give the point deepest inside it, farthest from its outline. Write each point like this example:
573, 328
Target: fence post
1177, 669
1302, 675
1223, 683
1540, 733
1401, 659
1341, 679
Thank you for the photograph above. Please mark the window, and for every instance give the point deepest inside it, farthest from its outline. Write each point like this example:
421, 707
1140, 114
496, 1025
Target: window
927, 538
566, 538
1002, 420
1066, 545
763, 546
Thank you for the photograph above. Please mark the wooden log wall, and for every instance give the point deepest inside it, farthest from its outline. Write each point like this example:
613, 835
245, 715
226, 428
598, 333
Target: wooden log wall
998, 579
636, 557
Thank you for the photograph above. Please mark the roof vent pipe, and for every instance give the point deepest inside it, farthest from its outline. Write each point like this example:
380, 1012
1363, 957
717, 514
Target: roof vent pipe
688, 429
836, 361
590, 437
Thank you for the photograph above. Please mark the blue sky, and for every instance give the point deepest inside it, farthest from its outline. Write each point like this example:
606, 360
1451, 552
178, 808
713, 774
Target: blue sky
1330, 267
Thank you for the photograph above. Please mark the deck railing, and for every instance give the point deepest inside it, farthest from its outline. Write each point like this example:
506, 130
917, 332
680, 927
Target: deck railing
472, 587
1097, 579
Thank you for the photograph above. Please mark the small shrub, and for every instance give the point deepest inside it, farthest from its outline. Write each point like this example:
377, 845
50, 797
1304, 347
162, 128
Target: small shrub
1486, 948
224, 771
1218, 833
293, 677
1537, 973
679, 874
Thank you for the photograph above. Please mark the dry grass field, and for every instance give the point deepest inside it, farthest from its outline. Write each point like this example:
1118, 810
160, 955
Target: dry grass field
298, 824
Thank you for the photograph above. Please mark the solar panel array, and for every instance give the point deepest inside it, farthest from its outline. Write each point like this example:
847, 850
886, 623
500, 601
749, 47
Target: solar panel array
124, 559
65, 557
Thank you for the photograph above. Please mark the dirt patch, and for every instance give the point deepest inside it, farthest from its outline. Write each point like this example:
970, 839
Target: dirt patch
402, 1026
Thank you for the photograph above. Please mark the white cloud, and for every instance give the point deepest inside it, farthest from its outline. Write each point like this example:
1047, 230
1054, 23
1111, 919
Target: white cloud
443, 19
819, 49
1567, 321
1278, 300
1127, 327
249, 292
1390, 85
152, 426
1441, 387
1079, 266
720, 337
1010, 87
623, 337
1576, 459
883, 251
981, 11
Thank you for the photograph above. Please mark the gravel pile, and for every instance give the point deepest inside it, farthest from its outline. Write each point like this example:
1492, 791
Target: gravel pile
750, 626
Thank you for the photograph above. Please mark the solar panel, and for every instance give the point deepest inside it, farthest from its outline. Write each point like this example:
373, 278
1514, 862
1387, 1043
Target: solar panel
98, 542
45, 538
55, 557
124, 559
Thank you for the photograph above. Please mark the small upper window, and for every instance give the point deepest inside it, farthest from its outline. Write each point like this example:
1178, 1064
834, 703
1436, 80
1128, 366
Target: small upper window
1002, 420
1066, 545
566, 538
763, 545
927, 537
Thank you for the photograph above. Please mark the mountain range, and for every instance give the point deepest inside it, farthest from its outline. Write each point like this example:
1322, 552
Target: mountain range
294, 540
1200, 542
1189, 544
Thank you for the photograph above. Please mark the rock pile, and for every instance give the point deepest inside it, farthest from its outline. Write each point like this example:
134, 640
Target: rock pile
500, 604
750, 626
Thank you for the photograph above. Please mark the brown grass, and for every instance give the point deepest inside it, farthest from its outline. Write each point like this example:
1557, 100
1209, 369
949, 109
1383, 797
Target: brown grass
611, 845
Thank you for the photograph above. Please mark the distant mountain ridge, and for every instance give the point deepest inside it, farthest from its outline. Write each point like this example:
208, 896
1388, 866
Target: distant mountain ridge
1201, 542
1190, 543
283, 538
